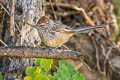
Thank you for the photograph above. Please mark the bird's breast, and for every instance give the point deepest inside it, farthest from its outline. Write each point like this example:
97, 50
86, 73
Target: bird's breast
56, 39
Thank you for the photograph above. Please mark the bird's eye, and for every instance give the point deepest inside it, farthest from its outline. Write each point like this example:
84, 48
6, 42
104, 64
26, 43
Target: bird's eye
41, 24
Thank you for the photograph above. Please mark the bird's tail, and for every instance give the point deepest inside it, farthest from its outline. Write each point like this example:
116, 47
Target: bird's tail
89, 28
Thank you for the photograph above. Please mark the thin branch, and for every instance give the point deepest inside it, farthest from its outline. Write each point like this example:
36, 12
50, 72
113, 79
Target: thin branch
54, 13
88, 20
9, 15
65, 13
96, 54
79, 66
3, 43
12, 18
23, 52
4, 9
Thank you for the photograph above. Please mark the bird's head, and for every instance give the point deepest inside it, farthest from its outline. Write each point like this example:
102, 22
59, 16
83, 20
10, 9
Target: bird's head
43, 19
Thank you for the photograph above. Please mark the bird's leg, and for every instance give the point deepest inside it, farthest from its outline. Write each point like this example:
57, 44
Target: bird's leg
86, 65
65, 47
56, 47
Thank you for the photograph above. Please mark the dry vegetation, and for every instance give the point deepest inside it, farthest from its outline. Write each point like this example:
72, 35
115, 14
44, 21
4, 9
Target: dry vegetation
103, 45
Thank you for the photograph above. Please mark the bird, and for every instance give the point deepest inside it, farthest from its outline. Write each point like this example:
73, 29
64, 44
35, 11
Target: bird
55, 34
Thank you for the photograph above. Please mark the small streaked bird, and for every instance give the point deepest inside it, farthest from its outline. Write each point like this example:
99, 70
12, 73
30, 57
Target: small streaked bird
55, 34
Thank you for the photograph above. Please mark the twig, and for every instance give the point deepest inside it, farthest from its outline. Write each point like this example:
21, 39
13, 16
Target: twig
3, 43
96, 55
5, 9
86, 65
22, 52
9, 15
79, 66
89, 21
12, 18
104, 54
107, 61
106, 58
66, 13
54, 13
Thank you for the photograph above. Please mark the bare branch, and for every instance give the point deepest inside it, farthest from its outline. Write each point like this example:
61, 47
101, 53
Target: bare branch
23, 52
12, 18
89, 21
53, 10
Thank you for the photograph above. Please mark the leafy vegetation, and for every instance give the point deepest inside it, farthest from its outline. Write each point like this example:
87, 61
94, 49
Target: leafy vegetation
41, 71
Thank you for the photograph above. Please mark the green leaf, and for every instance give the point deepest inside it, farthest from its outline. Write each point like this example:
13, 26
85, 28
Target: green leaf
43, 72
57, 75
50, 77
62, 62
72, 69
30, 70
37, 71
40, 77
67, 72
63, 72
46, 64
28, 78
63, 66
37, 61
1, 76
78, 77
